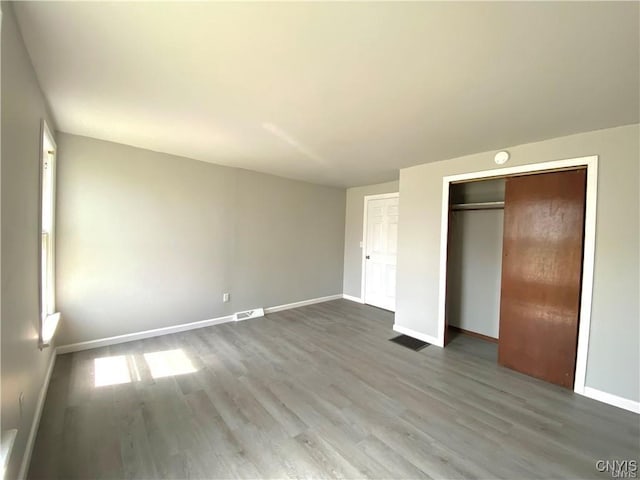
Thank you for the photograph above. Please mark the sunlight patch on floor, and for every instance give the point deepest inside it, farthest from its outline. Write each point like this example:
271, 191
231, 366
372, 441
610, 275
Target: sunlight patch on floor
168, 363
111, 371
121, 369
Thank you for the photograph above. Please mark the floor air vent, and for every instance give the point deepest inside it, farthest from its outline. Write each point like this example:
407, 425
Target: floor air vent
410, 342
255, 313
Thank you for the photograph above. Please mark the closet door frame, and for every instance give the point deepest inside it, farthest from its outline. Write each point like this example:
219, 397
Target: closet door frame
591, 163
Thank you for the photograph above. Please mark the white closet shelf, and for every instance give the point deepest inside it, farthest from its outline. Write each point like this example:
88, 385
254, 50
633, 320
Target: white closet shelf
477, 206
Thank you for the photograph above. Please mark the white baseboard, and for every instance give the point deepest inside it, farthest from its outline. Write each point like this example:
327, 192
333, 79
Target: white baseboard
611, 399
129, 337
288, 306
352, 298
26, 458
420, 336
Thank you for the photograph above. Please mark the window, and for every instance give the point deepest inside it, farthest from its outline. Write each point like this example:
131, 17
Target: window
48, 316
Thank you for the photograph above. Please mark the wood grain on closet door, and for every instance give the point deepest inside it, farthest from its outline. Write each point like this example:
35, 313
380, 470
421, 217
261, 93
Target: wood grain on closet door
541, 274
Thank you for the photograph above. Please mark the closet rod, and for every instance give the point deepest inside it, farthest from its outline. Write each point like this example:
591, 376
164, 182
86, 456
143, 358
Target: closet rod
477, 206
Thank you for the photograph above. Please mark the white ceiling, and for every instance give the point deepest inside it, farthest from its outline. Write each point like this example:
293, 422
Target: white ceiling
334, 93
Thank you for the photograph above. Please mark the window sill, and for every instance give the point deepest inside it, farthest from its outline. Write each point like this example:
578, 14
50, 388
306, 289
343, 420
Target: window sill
49, 326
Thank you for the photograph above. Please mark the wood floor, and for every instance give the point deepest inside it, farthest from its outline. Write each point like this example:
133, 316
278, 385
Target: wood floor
316, 392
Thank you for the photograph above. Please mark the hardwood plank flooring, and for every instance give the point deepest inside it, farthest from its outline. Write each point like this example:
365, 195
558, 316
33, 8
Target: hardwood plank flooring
316, 392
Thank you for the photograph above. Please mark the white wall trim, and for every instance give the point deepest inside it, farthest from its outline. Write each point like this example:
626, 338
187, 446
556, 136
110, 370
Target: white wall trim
414, 334
129, 337
352, 298
26, 458
288, 306
611, 399
363, 263
591, 162
47, 141
588, 265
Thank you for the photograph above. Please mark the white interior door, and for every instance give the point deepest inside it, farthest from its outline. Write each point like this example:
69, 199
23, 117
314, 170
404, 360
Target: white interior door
380, 249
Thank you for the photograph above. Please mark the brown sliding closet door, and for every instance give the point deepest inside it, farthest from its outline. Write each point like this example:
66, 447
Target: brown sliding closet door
541, 274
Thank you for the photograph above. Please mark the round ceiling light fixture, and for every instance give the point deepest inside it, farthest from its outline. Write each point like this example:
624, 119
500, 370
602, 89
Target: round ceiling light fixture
501, 157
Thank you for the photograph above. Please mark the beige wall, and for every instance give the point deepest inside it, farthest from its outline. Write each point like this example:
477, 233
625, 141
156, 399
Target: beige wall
23, 365
614, 359
353, 233
148, 240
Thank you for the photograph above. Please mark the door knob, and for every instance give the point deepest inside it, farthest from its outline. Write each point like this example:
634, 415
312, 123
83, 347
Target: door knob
367, 257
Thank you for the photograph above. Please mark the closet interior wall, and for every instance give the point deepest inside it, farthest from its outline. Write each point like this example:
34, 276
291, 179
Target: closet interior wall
475, 257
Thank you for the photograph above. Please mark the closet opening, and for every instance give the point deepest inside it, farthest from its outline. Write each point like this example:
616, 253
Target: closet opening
475, 259
517, 265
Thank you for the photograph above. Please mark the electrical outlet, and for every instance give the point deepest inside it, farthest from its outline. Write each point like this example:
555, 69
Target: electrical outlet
225, 297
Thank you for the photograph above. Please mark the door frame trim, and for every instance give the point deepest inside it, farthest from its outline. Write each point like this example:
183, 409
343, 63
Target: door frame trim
584, 325
363, 271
